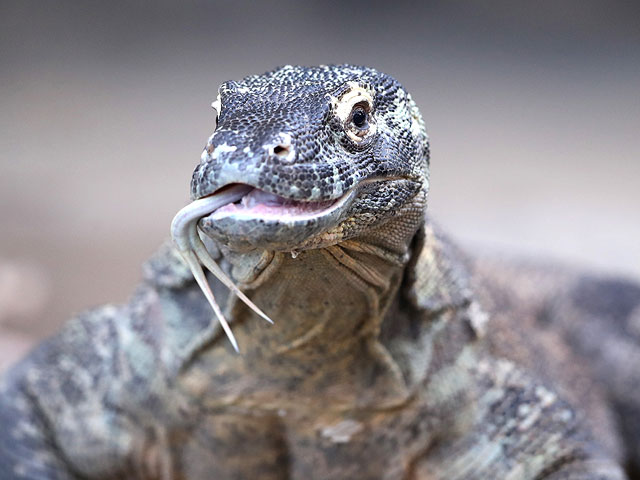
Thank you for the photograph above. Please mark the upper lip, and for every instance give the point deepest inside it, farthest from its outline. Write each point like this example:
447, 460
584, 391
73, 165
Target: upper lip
256, 196
264, 196
226, 187
292, 201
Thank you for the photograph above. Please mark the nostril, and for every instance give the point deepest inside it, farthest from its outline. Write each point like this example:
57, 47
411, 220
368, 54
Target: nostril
281, 150
281, 145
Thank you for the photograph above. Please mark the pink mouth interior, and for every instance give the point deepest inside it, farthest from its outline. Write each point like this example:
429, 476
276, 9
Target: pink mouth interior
262, 204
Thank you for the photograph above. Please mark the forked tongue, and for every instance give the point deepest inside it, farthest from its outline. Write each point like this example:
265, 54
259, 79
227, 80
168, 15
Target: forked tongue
184, 231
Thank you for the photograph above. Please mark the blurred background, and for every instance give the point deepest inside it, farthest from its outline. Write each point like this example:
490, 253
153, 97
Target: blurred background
533, 110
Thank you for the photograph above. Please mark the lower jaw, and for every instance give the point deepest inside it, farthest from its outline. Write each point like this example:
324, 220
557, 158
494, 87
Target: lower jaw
250, 235
242, 232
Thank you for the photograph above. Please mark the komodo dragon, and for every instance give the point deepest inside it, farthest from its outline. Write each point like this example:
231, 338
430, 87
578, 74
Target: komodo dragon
392, 355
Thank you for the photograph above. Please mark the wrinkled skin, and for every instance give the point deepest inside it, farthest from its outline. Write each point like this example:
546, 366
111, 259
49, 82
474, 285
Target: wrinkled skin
382, 363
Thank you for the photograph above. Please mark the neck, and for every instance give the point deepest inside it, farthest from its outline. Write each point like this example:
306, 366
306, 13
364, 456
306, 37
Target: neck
322, 300
328, 305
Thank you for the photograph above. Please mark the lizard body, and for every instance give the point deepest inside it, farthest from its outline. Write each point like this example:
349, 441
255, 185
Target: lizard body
391, 357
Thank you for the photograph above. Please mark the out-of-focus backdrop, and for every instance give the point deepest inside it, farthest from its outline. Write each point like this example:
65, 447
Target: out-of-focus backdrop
533, 109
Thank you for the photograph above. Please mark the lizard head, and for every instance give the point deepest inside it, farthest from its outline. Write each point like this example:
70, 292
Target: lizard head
323, 154
302, 158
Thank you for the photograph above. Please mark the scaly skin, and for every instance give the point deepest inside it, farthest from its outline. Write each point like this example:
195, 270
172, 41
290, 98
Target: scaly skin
382, 363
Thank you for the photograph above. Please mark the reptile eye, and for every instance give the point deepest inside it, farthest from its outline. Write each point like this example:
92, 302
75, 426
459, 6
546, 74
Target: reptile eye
359, 125
356, 117
359, 117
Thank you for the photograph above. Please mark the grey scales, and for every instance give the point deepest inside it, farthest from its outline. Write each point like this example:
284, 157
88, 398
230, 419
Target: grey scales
392, 354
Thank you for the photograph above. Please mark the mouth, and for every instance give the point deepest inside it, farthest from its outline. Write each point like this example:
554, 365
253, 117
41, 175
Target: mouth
258, 219
256, 204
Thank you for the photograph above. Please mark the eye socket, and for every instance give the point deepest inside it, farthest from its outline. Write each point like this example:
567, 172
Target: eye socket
354, 114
